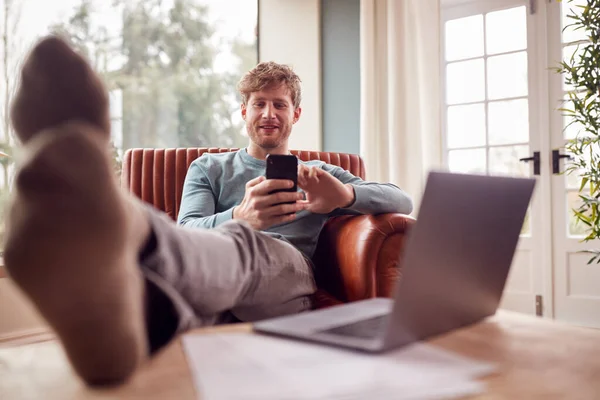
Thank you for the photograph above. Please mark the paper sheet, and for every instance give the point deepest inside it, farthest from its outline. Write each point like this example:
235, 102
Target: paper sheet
251, 366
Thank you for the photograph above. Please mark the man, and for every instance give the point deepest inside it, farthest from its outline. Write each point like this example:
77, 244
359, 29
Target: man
113, 277
231, 186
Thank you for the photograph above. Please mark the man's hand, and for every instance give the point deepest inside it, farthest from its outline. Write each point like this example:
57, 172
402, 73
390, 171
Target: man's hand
324, 192
263, 210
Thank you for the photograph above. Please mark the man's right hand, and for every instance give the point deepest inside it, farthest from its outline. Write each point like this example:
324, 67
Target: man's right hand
263, 210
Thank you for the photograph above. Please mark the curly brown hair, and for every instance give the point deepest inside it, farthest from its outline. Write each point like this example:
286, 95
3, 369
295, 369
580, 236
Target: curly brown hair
267, 75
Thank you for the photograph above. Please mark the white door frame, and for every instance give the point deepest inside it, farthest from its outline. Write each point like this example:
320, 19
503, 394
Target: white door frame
543, 74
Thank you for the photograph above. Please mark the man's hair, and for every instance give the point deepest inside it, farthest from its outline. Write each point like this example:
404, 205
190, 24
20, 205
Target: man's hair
267, 75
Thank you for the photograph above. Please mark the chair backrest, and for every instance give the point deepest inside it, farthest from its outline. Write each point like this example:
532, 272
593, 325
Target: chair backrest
157, 175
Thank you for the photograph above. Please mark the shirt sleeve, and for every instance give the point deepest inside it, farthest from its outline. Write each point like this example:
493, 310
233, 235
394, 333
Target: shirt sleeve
372, 197
198, 201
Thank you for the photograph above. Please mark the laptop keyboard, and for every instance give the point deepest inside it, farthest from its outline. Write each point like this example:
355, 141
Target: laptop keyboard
366, 328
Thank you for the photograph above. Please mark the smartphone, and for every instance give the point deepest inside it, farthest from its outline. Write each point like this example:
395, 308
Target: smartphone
283, 166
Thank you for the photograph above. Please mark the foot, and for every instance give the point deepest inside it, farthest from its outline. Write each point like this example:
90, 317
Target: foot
73, 237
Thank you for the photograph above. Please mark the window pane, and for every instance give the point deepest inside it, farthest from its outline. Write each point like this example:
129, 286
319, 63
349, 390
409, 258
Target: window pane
509, 121
465, 82
575, 228
571, 52
573, 179
3, 176
567, 8
116, 117
506, 30
572, 129
466, 126
505, 161
176, 67
170, 67
467, 161
526, 228
507, 76
464, 38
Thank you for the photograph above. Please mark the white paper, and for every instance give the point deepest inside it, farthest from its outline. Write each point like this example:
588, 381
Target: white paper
252, 366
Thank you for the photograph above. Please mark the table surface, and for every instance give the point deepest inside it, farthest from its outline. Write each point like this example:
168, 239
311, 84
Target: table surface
536, 358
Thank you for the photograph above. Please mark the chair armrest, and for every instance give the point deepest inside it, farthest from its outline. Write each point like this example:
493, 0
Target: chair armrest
358, 257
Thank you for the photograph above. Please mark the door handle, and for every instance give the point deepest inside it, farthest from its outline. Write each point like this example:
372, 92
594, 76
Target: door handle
556, 156
536, 162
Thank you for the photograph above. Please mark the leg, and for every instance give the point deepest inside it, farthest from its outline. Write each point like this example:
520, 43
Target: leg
229, 269
72, 247
72, 236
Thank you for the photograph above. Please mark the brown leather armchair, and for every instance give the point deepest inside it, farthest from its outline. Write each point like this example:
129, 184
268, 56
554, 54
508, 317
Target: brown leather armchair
357, 257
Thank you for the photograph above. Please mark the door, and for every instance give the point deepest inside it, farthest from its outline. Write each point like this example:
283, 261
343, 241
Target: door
501, 105
576, 284
492, 118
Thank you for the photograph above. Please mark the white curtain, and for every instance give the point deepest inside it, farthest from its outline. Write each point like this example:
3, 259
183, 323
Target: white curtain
400, 91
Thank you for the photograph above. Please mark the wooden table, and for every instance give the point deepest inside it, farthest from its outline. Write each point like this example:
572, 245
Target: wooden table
536, 358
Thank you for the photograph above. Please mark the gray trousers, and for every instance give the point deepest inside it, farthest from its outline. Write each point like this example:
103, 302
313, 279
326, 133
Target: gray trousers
198, 277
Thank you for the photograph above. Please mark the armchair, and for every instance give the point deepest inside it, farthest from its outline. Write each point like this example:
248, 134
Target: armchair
357, 257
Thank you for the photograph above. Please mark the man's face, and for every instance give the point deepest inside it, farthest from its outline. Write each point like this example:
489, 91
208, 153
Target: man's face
269, 117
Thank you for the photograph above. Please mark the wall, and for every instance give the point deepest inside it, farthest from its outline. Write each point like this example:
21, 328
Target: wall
340, 55
289, 34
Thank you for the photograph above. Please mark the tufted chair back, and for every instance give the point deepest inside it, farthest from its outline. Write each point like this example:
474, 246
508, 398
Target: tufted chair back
157, 175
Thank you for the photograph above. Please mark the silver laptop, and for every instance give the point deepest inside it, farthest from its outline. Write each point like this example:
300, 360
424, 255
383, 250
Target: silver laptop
455, 265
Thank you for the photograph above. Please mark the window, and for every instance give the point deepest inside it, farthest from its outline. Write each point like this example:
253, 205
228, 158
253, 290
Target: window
171, 66
487, 100
486, 107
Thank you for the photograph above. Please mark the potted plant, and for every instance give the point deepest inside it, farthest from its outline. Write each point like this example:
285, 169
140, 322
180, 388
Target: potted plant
582, 73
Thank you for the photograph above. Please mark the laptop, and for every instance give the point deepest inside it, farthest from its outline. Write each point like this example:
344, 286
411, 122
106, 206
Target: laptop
455, 265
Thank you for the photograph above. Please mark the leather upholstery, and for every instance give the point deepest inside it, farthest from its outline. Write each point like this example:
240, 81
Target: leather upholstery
362, 255
357, 257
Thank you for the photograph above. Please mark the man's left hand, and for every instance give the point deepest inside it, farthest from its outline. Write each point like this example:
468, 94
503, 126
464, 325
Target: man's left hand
324, 192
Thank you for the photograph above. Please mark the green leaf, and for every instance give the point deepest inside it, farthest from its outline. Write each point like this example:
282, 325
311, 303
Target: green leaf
584, 182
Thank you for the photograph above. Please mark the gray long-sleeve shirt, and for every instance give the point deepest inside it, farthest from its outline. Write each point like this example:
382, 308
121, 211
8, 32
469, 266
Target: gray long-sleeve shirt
215, 184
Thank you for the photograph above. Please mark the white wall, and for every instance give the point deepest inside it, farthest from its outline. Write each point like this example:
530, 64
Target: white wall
289, 33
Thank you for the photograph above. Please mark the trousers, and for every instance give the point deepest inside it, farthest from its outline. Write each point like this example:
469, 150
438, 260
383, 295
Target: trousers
202, 277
